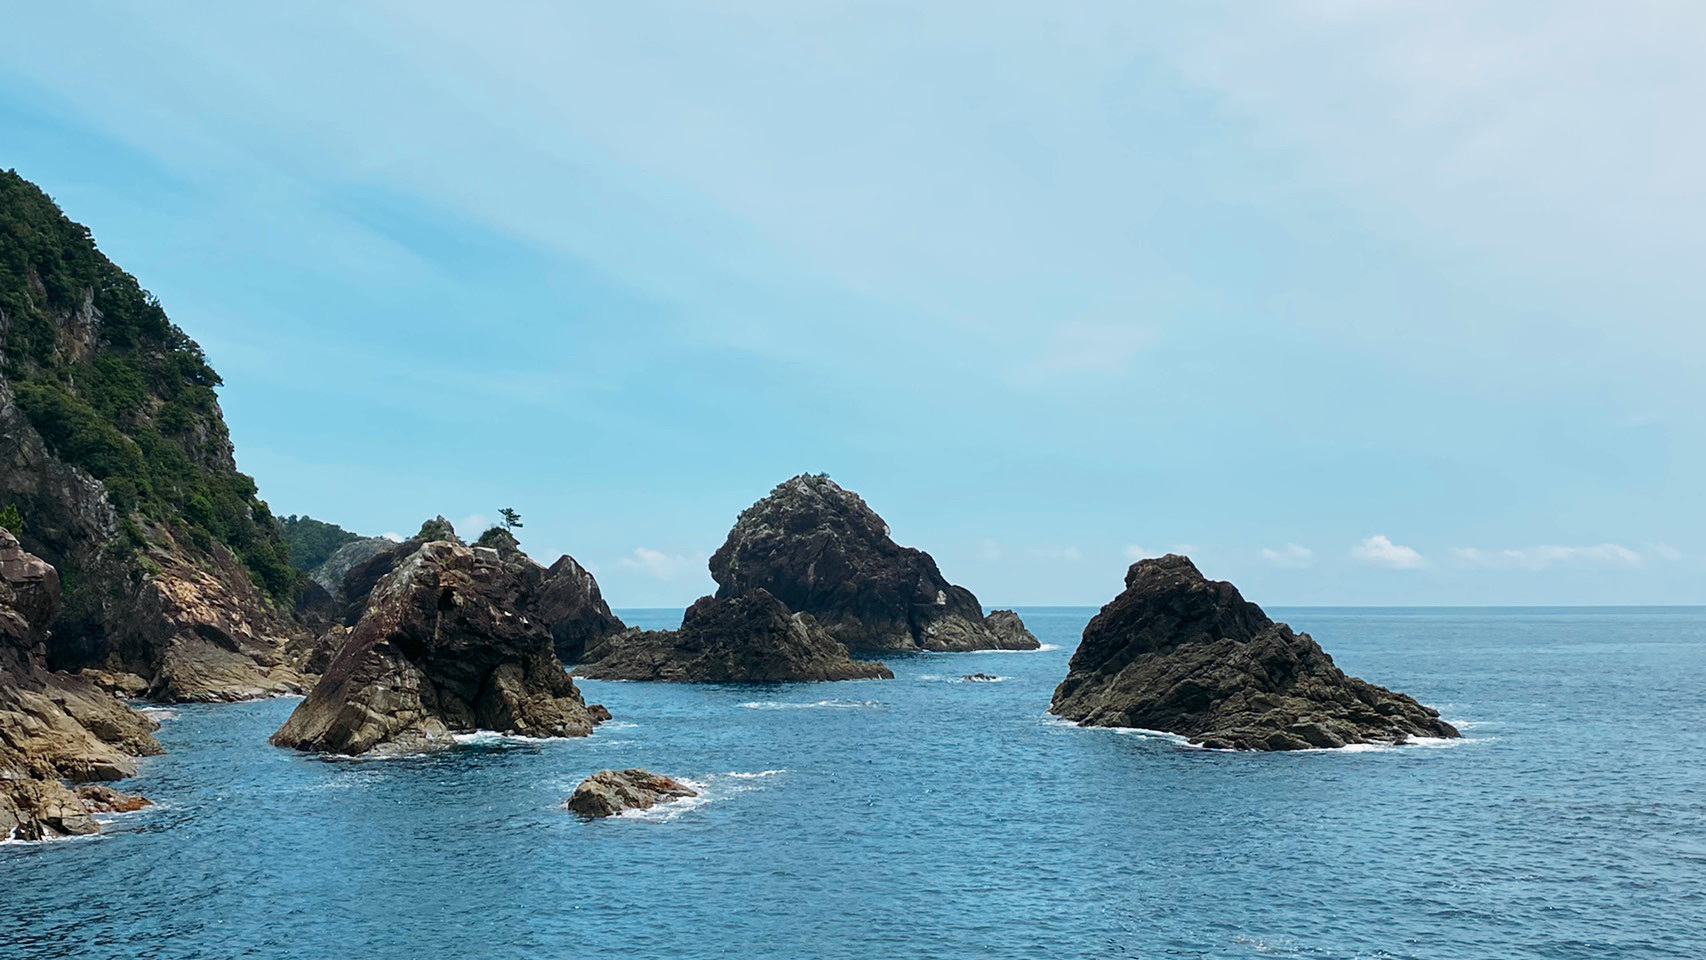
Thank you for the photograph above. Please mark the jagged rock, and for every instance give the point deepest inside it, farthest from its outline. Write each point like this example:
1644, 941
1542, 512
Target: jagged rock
572, 604
751, 638
610, 792
53, 726
1010, 631
441, 649
329, 575
821, 550
1180, 653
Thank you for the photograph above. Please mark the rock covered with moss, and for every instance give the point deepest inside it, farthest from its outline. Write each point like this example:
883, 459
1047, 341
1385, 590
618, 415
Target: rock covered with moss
820, 549
1180, 653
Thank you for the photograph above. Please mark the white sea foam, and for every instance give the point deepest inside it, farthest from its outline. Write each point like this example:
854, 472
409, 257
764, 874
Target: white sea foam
712, 789
159, 714
958, 678
1041, 649
820, 704
488, 737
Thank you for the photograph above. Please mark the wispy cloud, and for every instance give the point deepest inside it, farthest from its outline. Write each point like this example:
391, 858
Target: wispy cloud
1291, 555
1135, 552
661, 565
1378, 551
1547, 555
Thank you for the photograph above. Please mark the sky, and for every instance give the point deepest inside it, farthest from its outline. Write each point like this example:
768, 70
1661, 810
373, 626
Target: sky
1353, 302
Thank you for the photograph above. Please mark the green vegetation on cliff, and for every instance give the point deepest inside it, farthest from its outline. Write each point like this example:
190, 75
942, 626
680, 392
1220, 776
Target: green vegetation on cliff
115, 388
311, 541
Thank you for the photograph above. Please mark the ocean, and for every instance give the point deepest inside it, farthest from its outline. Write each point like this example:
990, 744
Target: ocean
928, 817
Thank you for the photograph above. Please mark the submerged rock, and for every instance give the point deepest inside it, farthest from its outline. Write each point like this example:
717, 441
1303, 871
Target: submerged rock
750, 638
610, 792
979, 678
444, 646
821, 550
53, 726
1183, 654
107, 800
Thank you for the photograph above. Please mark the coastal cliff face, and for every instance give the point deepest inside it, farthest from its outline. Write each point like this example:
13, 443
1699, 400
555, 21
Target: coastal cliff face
114, 452
751, 638
1180, 653
820, 549
445, 645
53, 727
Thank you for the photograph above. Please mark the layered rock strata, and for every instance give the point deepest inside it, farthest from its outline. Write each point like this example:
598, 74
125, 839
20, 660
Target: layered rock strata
445, 645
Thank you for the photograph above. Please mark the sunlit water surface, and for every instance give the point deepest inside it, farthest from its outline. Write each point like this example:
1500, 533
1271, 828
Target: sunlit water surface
928, 817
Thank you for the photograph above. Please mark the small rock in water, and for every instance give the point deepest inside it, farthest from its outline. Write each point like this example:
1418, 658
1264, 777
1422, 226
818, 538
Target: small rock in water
107, 800
610, 792
979, 678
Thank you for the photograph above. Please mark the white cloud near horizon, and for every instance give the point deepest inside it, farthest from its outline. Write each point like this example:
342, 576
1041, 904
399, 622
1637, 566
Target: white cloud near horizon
661, 565
1292, 556
1548, 555
1379, 551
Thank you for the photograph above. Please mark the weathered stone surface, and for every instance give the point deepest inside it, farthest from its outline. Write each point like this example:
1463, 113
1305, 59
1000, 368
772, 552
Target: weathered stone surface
1183, 654
572, 604
751, 638
441, 649
107, 800
1010, 631
53, 726
610, 792
821, 550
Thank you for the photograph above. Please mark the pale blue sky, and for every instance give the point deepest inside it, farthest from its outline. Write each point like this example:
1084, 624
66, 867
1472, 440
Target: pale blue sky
1356, 302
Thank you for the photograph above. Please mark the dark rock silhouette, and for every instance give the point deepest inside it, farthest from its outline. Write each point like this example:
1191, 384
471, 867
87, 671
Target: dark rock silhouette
821, 550
1180, 653
751, 638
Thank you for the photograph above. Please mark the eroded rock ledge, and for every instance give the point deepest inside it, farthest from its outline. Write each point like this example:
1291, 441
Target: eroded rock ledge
446, 644
1184, 654
54, 727
820, 549
751, 638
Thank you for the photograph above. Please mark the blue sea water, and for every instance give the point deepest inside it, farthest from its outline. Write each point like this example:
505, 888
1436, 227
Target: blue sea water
926, 817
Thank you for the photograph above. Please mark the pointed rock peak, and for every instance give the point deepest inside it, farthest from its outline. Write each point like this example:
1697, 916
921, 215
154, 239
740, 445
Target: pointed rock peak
437, 528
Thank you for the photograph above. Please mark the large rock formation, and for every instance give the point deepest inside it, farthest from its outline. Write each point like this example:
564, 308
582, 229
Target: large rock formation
114, 450
609, 792
821, 550
53, 727
446, 645
751, 638
1183, 654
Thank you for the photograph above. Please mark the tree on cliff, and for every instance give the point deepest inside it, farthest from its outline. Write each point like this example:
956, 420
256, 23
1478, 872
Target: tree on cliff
511, 519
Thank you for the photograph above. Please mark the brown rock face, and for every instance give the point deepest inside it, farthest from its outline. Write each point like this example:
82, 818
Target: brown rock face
1010, 631
444, 646
52, 726
610, 792
1181, 653
572, 604
751, 638
821, 550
